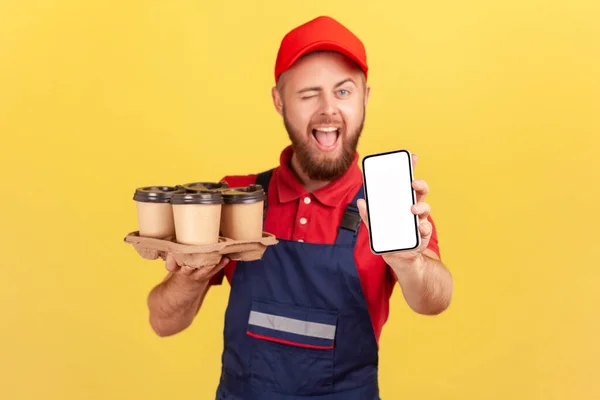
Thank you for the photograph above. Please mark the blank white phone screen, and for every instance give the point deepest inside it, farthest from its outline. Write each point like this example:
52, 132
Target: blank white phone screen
389, 195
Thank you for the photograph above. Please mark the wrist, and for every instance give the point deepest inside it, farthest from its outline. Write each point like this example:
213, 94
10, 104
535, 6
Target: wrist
187, 284
404, 266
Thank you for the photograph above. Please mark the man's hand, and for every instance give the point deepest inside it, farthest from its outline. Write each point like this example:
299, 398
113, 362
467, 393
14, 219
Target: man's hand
422, 209
193, 275
426, 283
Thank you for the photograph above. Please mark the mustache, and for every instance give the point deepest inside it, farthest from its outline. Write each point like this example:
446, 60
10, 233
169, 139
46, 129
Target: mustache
326, 121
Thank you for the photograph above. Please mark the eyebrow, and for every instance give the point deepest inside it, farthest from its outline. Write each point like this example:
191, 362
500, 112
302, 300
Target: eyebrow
317, 88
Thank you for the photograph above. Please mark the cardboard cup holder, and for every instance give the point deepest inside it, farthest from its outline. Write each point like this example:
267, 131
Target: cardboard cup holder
200, 256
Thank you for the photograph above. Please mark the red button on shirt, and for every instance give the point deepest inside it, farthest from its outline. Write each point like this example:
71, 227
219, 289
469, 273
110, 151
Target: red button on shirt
295, 214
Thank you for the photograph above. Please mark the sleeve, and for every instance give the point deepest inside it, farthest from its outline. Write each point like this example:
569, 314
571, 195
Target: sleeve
433, 241
240, 180
217, 279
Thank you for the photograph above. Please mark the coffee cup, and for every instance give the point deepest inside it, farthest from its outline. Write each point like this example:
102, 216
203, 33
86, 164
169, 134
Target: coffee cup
242, 213
197, 216
195, 186
154, 211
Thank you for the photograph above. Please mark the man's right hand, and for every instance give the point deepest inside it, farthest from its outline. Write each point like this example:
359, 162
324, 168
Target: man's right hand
195, 275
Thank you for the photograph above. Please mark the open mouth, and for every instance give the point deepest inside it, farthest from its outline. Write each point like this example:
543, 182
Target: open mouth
326, 137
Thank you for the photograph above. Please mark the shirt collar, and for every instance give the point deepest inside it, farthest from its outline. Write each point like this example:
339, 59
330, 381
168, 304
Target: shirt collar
289, 188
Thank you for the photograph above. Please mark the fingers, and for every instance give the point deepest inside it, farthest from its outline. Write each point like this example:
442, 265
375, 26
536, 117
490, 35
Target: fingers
216, 268
425, 228
171, 264
421, 188
194, 273
421, 209
209, 271
186, 270
224, 261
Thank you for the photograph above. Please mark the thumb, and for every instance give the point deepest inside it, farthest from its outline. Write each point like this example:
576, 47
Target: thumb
170, 263
361, 204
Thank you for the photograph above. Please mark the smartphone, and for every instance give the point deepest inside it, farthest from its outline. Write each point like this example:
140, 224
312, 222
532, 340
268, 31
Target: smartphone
389, 196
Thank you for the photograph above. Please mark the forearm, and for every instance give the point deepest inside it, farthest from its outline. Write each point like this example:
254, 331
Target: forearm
173, 304
426, 284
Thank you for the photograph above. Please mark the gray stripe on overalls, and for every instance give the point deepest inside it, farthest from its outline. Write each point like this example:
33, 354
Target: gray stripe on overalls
291, 325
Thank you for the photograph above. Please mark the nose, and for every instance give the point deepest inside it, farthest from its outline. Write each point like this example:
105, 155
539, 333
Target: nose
328, 105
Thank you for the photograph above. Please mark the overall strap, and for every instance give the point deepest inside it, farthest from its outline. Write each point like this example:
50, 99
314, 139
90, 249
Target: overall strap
263, 179
351, 221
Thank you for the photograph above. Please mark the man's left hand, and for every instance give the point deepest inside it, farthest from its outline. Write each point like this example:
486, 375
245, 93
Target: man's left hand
422, 209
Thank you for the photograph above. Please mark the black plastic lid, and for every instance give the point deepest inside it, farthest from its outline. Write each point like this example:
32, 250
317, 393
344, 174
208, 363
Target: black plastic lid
244, 195
197, 197
154, 194
196, 186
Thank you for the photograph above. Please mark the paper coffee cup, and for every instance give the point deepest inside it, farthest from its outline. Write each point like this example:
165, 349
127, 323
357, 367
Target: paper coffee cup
154, 211
202, 186
197, 216
242, 214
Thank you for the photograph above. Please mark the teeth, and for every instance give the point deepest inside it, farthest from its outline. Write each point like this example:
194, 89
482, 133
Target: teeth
327, 129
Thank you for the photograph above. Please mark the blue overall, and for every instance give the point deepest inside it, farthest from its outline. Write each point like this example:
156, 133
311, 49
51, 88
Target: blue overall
297, 323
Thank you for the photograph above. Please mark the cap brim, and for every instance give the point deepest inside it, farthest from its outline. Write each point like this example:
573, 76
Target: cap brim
332, 46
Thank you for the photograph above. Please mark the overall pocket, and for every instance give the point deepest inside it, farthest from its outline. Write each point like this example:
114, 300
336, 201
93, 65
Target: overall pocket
293, 348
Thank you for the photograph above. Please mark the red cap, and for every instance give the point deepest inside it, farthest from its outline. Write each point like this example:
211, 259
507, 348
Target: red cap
321, 33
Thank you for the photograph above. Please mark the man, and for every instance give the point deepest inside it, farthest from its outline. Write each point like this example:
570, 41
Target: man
305, 320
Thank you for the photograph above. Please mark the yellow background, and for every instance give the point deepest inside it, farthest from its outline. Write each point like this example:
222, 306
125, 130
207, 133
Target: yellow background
500, 99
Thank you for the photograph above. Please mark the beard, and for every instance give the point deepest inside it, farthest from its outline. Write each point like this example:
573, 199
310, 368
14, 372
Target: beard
324, 168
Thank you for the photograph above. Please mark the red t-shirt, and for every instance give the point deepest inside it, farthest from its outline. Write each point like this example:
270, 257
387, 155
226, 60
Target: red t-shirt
295, 214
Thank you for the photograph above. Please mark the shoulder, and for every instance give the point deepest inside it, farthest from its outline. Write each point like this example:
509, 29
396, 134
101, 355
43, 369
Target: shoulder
244, 180
239, 180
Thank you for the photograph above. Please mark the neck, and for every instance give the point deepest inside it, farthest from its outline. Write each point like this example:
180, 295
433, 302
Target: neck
310, 185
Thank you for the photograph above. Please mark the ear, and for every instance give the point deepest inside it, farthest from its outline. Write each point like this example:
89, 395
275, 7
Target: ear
367, 93
277, 100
